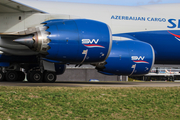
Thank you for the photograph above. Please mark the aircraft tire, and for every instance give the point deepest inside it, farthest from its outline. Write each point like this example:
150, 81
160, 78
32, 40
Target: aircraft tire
49, 77
11, 76
2, 76
35, 77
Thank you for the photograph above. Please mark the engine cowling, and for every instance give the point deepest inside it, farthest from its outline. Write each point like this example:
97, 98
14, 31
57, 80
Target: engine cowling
72, 41
128, 58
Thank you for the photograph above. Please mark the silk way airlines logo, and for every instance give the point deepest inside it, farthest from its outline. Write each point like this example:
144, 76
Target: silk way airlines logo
138, 59
176, 36
91, 43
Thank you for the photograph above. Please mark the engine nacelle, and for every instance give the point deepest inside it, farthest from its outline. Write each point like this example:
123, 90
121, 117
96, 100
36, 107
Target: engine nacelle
71, 41
128, 58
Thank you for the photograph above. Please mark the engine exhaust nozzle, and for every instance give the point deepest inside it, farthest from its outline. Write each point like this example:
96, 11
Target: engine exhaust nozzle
27, 41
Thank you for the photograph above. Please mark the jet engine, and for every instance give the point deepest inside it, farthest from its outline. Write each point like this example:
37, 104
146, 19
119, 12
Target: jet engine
71, 41
129, 58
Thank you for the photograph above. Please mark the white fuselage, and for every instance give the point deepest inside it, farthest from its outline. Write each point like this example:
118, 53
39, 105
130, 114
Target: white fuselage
121, 19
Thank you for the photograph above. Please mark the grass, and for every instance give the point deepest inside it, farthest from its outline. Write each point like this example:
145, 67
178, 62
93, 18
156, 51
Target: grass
89, 103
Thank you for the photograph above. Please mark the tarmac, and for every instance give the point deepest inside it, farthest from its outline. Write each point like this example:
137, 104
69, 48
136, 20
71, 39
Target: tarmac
94, 84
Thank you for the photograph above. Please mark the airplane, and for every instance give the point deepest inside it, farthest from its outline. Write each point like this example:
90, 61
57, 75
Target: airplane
40, 37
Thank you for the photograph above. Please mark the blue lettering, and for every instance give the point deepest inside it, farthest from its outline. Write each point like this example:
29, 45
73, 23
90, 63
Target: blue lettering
172, 23
123, 18
152, 19
119, 17
164, 20
127, 18
179, 24
156, 19
143, 18
112, 17
130, 18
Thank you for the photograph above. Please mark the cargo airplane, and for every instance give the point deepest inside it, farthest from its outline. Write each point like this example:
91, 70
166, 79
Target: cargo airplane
40, 37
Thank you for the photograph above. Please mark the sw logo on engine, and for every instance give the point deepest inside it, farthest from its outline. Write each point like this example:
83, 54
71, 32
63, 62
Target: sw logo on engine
138, 59
91, 43
88, 41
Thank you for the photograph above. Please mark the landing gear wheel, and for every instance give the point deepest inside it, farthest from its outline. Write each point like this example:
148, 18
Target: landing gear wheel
35, 77
11, 76
2, 76
21, 76
49, 77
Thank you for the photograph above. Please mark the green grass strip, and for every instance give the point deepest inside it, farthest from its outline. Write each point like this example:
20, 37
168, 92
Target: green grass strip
89, 103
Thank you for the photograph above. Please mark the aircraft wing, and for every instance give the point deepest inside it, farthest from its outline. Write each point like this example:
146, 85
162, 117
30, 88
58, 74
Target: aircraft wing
10, 6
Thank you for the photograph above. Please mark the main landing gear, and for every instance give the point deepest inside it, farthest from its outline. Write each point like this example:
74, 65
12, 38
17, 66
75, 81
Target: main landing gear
35, 73
12, 76
32, 76
37, 77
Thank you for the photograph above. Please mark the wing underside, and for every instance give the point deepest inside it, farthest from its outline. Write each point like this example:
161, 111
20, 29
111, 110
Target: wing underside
10, 6
7, 45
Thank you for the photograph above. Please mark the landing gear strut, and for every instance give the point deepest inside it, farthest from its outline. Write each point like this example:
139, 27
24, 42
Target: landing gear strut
21, 76
36, 73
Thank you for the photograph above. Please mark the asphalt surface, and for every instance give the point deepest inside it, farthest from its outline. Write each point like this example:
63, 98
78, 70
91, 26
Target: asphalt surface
94, 84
